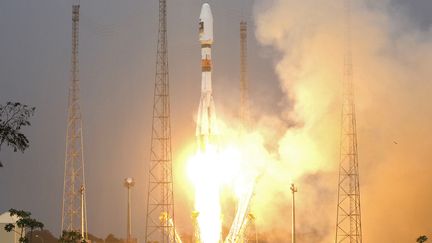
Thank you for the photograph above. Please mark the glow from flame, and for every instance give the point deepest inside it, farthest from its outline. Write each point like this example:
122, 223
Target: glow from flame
230, 165
205, 173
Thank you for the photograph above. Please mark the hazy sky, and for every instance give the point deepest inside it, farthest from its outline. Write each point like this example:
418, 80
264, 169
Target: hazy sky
117, 66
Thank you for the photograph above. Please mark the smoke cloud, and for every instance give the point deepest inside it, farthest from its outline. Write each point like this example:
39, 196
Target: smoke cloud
392, 70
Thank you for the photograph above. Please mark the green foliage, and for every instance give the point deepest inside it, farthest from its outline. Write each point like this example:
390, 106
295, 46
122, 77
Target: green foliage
24, 222
71, 237
422, 239
14, 116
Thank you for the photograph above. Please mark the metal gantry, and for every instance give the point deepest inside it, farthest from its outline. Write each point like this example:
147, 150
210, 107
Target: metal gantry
74, 213
160, 198
251, 233
241, 220
348, 222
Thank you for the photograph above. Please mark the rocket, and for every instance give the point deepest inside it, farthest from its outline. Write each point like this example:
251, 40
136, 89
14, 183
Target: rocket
206, 119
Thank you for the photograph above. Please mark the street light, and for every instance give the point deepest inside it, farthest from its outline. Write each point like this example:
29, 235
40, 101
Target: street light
129, 183
83, 214
293, 190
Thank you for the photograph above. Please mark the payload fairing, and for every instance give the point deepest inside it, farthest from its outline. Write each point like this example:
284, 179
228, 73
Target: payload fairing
206, 118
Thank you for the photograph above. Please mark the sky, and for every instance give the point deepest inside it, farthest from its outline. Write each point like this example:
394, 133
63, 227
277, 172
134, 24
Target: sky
117, 66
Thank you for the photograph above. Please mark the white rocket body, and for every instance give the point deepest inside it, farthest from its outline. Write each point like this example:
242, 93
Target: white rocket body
206, 118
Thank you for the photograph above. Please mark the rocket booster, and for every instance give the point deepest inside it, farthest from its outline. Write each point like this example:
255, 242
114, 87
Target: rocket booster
206, 118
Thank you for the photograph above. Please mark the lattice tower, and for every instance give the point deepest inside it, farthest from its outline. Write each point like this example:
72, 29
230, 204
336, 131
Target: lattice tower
160, 198
74, 212
348, 224
244, 84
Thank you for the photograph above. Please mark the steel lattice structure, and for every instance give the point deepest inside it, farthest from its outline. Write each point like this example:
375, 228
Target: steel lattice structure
74, 213
244, 85
196, 238
160, 198
348, 224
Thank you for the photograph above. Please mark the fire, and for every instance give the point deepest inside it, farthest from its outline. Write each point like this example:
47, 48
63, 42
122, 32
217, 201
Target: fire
231, 165
205, 172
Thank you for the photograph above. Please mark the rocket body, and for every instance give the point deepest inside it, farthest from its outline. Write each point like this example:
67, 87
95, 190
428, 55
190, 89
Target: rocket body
206, 117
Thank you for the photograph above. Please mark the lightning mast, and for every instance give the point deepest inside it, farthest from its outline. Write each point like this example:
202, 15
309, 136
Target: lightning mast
160, 197
348, 222
74, 213
244, 85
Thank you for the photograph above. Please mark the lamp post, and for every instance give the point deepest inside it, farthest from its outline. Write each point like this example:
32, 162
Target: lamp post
129, 183
83, 233
293, 190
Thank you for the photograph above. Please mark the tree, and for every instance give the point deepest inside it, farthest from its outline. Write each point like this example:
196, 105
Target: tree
71, 237
94, 239
24, 222
112, 239
14, 116
422, 239
42, 236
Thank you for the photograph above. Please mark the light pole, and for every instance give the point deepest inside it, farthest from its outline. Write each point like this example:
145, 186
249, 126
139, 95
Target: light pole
82, 190
293, 190
42, 239
129, 183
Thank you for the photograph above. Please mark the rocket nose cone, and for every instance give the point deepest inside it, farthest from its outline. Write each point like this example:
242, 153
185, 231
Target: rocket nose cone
206, 12
206, 25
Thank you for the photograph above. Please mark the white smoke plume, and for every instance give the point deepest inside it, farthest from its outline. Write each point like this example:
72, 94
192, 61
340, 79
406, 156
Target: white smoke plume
392, 75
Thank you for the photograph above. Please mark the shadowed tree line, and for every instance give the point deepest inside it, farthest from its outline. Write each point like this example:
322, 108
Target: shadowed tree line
30, 230
45, 236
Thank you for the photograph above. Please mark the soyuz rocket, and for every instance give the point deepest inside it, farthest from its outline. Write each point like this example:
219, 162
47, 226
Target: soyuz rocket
206, 118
